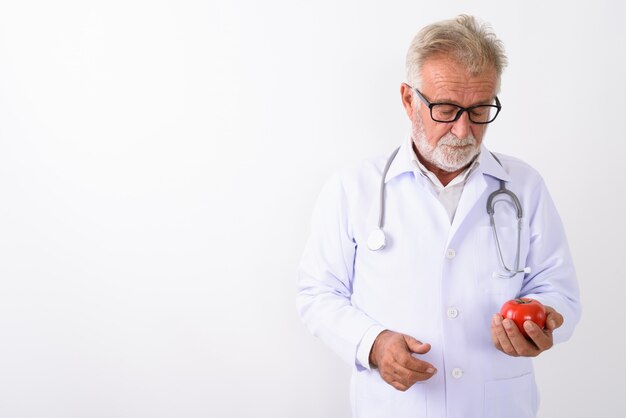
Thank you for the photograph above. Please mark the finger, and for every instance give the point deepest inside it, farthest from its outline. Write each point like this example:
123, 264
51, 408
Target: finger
494, 337
421, 372
521, 345
408, 361
399, 385
416, 346
419, 377
502, 337
395, 375
398, 364
414, 364
553, 319
409, 377
541, 338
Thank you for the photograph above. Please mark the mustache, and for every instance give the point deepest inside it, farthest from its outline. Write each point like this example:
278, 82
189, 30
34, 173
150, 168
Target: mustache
452, 140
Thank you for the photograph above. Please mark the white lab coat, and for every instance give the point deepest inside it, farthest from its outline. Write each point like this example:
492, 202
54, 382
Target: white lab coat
434, 281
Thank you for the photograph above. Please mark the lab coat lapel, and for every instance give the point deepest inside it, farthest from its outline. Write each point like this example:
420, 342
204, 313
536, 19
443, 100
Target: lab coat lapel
475, 187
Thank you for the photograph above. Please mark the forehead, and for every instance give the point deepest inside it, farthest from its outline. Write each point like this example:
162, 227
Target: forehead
446, 79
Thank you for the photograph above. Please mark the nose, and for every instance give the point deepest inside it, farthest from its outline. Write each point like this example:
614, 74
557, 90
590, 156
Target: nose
461, 128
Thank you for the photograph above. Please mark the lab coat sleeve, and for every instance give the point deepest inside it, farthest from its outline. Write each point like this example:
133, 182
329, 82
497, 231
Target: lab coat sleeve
325, 277
552, 279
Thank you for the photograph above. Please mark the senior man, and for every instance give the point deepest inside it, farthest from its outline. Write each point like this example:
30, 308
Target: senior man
411, 255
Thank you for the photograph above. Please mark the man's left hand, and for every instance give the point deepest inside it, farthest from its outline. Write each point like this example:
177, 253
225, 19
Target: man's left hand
508, 338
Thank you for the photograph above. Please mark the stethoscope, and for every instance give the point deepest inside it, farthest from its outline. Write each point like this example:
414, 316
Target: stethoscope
377, 240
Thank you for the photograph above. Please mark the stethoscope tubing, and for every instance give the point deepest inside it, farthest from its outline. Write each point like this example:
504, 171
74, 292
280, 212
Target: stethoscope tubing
377, 239
381, 214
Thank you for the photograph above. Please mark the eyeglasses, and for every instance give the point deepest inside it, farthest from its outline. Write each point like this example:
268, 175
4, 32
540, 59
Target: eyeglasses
450, 112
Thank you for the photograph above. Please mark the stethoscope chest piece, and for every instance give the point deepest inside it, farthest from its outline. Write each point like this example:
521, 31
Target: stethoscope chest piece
376, 240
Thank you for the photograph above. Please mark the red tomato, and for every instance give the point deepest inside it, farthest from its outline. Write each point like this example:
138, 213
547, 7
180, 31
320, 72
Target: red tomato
522, 310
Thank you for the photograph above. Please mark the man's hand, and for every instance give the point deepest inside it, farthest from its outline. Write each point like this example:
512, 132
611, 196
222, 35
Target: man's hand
392, 354
508, 338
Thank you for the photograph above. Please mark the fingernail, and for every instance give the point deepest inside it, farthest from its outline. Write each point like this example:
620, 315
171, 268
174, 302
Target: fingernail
551, 324
528, 326
430, 370
497, 319
507, 323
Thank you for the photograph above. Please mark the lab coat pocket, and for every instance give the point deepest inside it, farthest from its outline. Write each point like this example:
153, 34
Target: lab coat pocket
511, 398
375, 398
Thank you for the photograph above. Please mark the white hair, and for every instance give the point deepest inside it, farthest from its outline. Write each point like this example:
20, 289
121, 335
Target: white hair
464, 39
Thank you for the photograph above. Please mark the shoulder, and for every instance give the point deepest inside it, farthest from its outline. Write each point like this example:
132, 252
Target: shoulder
527, 183
519, 170
355, 184
361, 173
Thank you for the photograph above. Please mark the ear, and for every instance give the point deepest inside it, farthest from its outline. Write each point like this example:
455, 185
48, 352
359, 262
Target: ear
407, 93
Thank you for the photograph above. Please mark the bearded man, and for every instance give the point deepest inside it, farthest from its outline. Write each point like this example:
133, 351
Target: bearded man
411, 255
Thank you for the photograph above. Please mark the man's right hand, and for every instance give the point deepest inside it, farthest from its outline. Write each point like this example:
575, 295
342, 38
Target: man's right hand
392, 354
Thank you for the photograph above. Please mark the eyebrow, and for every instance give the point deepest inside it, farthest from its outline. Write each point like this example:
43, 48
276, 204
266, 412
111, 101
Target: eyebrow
450, 101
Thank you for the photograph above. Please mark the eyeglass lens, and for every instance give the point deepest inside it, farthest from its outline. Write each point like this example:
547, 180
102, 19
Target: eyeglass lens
449, 112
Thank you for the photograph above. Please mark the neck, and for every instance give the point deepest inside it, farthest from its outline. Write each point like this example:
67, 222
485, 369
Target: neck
444, 177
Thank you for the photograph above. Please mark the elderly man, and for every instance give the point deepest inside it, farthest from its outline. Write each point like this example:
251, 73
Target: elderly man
411, 256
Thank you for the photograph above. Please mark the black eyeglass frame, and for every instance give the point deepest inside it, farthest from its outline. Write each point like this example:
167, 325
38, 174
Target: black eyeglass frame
497, 106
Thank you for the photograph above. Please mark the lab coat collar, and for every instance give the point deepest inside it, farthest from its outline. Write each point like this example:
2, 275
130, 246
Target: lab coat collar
402, 163
489, 166
487, 163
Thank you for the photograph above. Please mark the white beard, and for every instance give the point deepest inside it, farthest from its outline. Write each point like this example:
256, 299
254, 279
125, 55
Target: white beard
450, 154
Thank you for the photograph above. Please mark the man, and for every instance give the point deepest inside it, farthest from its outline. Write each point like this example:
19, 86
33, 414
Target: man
416, 313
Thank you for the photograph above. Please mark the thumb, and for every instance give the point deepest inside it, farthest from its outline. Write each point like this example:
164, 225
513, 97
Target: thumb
416, 346
553, 319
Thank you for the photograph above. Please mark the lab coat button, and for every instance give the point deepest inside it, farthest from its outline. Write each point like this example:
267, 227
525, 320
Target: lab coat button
457, 373
450, 254
452, 313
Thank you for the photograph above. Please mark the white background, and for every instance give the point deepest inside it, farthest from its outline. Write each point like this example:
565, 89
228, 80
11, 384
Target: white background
159, 161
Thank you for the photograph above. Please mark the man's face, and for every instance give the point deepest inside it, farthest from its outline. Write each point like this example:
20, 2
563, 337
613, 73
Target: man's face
448, 146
